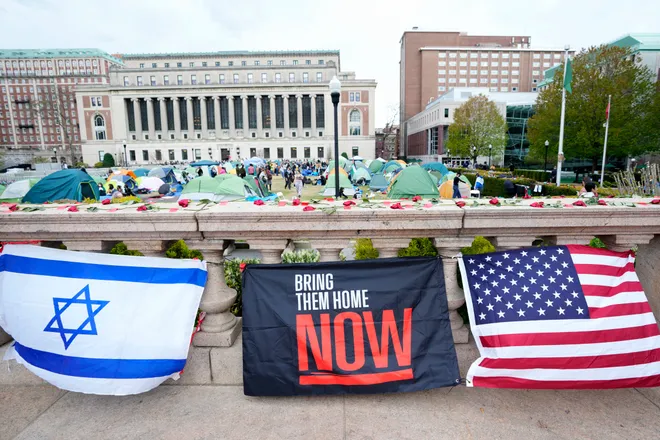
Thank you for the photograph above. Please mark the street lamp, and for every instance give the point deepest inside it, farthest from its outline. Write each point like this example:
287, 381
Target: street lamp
474, 156
125, 160
490, 153
335, 88
55, 154
545, 164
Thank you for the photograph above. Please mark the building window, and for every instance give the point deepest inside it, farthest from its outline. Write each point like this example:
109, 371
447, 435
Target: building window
266, 152
269, 62
446, 113
217, 64
198, 154
280, 153
207, 79
278, 77
256, 62
305, 77
249, 78
166, 80
243, 63
238, 114
354, 123
204, 64
131, 155
170, 154
179, 80
184, 154
355, 151
179, 65
319, 77
230, 63
141, 65
515, 56
295, 62
152, 80
126, 82
294, 153
191, 64
139, 81
292, 77
193, 79
222, 78
534, 89
282, 62
235, 78
145, 155
99, 128
264, 77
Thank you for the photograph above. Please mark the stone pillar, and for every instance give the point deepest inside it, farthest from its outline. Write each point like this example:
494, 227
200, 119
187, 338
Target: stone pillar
505, 243
389, 247
177, 118
287, 128
329, 116
246, 120
312, 100
232, 118
97, 246
150, 248
163, 117
329, 249
273, 117
299, 115
138, 118
260, 125
189, 109
624, 242
216, 107
564, 239
271, 250
220, 327
150, 118
202, 115
448, 249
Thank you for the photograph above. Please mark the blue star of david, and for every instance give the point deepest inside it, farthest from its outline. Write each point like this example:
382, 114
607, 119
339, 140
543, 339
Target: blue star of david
61, 304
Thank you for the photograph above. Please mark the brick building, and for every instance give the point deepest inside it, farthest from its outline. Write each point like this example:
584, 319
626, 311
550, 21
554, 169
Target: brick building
38, 109
433, 63
387, 142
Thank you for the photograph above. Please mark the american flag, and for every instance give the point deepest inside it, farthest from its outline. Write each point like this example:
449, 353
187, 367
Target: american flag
560, 317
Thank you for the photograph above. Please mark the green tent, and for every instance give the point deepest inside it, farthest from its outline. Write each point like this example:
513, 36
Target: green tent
64, 184
201, 188
15, 191
234, 189
375, 166
450, 176
222, 177
378, 182
392, 167
254, 184
413, 181
361, 174
344, 183
2, 188
343, 164
436, 166
435, 178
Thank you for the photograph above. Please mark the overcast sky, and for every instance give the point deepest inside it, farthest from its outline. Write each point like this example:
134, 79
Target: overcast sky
366, 32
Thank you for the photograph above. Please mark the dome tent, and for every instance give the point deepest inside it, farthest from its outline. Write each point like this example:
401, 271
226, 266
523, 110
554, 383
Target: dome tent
344, 183
412, 181
141, 172
257, 186
64, 184
436, 166
447, 189
166, 174
375, 166
201, 188
18, 189
378, 182
360, 174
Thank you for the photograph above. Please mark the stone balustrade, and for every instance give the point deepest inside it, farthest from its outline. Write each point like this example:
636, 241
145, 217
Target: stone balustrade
271, 229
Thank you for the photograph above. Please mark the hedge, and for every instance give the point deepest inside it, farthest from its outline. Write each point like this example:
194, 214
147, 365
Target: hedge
539, 176
494, 187
563, 190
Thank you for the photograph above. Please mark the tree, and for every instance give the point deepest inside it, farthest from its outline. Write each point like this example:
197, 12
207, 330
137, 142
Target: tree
597, 73
477, 125
108, 160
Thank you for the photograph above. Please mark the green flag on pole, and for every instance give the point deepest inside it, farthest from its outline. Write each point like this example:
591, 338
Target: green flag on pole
569, 76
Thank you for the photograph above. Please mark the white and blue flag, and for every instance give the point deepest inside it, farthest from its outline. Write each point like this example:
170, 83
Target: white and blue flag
99, 323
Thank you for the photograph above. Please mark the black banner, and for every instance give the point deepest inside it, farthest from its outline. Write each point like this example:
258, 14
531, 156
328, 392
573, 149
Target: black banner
372, 326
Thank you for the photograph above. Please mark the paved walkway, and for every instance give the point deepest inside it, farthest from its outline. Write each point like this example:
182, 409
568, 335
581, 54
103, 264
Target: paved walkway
222, 412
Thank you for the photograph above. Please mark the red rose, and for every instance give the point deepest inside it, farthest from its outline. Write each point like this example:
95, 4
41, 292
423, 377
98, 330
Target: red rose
537, 205
241, 267
142, 208
579, 203
309, 208
296, 202
460, 203
13, 207
106, 202
602, 202
73, 208
396, 206
527, 196
494, 201
610, 196
349, 203
184, 203
417, 198
259, 202
655, 202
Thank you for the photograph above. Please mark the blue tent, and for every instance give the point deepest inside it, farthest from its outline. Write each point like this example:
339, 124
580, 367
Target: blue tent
204, 163
123, 179
141, 172
64, 184
436, 166
378, 182
166, 174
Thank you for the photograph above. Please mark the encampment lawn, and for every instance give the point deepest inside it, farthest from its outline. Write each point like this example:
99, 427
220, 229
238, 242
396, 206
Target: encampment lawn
309, 191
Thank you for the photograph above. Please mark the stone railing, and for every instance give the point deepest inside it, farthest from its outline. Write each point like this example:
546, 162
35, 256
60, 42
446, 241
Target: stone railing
271, 229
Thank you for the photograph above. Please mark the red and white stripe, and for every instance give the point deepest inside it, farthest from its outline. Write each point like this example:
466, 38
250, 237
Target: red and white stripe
618, 347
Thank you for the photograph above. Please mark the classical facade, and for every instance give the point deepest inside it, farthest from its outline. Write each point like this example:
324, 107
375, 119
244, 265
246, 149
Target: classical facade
161, 108
38, 112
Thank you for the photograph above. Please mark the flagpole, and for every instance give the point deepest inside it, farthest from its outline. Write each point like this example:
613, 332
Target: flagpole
607, 127
560, 153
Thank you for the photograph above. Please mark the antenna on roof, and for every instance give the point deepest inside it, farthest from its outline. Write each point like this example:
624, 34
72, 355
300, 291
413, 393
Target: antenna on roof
415, 28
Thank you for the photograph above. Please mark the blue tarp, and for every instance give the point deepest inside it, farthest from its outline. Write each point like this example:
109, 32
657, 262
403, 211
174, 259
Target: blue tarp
203, 163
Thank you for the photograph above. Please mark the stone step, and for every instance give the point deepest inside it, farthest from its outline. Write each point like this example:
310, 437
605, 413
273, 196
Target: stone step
205, 366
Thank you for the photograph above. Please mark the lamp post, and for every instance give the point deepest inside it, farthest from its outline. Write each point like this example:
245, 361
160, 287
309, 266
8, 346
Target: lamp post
55, 154
490, 154
335, 88
545, 163
125, 159
474, 156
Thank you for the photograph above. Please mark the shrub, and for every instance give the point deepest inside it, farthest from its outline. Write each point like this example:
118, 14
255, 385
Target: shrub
121, 249
607, 192
301, 256
233, 278
562, 190
364, 249
494, 187
344, 155
539, 176
82, 165
179, 249
597, 243
98, 165
134, 199
419, 247
108, 160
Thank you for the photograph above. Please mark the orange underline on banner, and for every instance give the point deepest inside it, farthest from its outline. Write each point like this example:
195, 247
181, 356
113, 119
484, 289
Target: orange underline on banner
357, 379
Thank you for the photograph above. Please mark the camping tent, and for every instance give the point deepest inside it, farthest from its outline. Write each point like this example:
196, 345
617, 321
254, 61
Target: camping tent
18, 189
64, 184
2, 188
375, 166
391, 167
343, 164
223, 177
436, 166
141, 172
150, 183
203, 187
234, 189
447, 189
378, 182
123, 179
203, 163
361, 174
450, 177
256, 185
344, 184
412, 181
123, 172
166, 174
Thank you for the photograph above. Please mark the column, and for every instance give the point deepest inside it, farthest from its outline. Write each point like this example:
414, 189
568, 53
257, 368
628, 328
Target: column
389, 247
138, 118
505, 243
448, 249
273, 117
246, 120
232, 118
202, 115
191, 126
329, 115
220, 327
625, 242
271, 250
163, 117
216, 106
150, 248
312, 100
260, 125
97, 246
150, 118
329, 249
177, 118
299, 115
287, 128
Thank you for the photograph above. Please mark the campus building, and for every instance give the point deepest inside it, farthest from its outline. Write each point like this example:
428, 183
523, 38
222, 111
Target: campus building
38, 112
179, 107
432, 63
427, 131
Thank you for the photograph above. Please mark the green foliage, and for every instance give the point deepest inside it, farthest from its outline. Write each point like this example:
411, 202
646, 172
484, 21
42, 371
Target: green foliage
562, 190
494, 187
605, 192
539, 176
477, 124
344, 155
62, 246
233, 278
597, 73
133, 199
121, 249
419, 247
81, 165
40, 159
179, 249
98, 165
108, 160
597, 243
364, 249
301, 256
480, 245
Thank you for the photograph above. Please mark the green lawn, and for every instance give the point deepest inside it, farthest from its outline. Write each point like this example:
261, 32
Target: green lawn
309, 191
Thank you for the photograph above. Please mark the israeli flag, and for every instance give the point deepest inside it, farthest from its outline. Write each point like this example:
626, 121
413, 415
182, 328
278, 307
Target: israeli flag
95, 323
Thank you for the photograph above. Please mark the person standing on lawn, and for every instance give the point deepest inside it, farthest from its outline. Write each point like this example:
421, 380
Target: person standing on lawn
457, 180
298, 183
